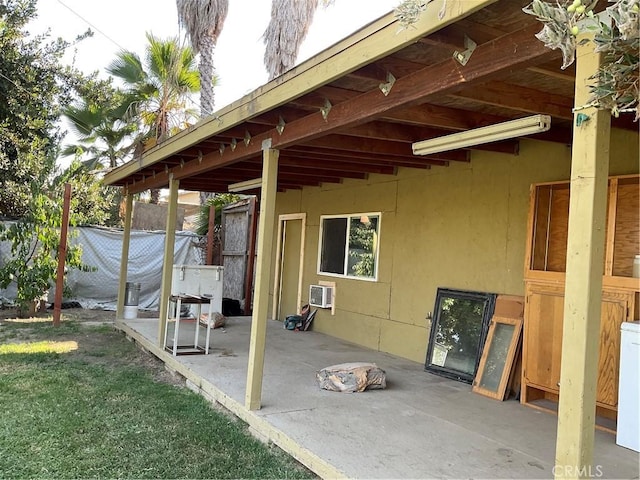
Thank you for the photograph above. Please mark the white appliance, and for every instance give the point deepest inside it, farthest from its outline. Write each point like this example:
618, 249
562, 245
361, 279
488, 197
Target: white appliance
320, 296
628, 434
199, 280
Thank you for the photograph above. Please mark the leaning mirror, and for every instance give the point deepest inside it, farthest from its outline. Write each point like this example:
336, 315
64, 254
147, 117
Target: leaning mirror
458, 331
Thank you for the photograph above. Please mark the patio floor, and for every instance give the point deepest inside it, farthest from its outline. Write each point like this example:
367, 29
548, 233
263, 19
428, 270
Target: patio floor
421, 426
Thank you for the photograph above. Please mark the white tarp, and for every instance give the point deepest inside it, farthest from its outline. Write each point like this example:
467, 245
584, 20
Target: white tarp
102, 249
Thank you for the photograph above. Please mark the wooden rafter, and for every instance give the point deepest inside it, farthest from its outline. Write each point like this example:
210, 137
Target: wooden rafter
519, 98
488, 61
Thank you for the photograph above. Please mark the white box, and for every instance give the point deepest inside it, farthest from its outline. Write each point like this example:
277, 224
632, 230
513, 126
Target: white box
628, 430
199, 280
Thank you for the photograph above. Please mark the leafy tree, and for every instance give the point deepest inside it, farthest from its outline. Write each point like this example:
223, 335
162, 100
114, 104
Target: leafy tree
157, 91
217, 201
92, 203
34, 240
98, 118
33, 86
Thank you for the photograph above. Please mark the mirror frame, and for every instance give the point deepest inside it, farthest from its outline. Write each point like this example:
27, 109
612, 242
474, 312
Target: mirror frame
489, 301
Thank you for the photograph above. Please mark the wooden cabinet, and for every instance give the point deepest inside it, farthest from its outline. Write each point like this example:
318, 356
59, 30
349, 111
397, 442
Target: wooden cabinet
544, 278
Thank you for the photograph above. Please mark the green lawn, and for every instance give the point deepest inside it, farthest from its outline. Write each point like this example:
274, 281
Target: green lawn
83, 402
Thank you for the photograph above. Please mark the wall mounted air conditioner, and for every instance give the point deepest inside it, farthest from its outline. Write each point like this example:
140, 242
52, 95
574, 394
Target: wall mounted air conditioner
320, 296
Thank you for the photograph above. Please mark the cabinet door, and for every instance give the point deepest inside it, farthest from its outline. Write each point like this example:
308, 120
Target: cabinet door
543, 337
543, 340
614, 312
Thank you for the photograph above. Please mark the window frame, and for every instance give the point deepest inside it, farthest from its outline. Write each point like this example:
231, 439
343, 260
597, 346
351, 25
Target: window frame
348, 217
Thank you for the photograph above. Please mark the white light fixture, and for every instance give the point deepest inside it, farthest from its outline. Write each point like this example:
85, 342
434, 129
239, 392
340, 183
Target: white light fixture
478, 136
246, 185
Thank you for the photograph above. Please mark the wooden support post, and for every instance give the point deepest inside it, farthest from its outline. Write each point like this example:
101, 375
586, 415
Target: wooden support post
583, 291
211, 233
124, 257
167, 263
62, 255
251, 257
253, 394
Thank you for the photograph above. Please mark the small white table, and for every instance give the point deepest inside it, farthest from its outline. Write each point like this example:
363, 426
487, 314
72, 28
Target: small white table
194, 349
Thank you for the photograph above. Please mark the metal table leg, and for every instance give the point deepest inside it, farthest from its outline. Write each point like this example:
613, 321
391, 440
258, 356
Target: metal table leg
175, 332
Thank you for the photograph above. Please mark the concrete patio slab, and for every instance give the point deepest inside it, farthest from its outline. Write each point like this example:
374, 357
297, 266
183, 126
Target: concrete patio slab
421, 426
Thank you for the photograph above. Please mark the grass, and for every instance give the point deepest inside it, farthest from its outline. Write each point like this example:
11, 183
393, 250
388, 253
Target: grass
83, 402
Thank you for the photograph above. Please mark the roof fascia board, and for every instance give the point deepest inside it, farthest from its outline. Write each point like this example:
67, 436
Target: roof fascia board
374, 41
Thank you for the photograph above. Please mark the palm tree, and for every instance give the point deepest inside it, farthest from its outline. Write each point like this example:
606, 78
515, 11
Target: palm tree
102, 133
157, 92
290, 21
203, 21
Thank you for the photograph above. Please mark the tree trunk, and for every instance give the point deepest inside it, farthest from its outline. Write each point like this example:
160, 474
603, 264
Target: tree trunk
206, 77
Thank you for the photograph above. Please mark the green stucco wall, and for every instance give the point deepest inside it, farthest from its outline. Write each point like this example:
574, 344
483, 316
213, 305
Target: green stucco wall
462, 227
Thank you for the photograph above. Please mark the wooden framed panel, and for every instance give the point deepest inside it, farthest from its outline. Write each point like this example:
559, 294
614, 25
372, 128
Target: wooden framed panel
498, 357
626, 236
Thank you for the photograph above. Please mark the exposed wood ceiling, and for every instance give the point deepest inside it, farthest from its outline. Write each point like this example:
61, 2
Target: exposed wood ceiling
509, 75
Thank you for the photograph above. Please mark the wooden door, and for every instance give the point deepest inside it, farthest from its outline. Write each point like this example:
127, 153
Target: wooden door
614, 312
543, 336
235, 249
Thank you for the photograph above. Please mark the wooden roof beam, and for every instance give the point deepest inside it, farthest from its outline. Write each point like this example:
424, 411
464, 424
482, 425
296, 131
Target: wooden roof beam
239, 175
360, 157
373, 41
316, 99
411, 133
203, 186
272, 118
563, 75
283, 187
429, 115
377, 71
368, 159
521, 99
308, 161
380, 147
488, 61
316, 170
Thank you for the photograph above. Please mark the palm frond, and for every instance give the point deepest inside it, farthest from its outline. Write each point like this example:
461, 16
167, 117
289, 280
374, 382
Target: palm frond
202, 19
128, 67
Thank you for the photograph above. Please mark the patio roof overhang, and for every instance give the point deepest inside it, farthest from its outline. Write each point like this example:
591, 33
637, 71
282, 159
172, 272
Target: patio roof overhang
356, 108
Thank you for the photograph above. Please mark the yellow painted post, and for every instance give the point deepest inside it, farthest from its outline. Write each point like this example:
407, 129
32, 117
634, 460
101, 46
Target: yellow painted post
167, 263
253, 394
124, 257
583, 290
